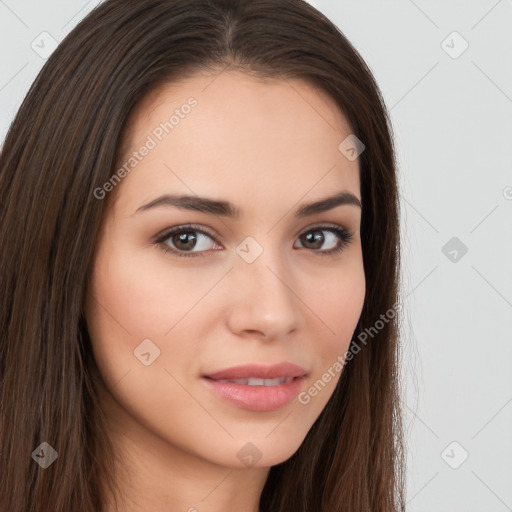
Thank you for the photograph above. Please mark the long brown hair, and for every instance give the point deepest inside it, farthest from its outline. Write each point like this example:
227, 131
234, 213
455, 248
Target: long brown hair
63, 145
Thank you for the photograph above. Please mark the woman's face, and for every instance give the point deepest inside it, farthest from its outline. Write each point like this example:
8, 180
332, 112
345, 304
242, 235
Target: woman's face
265, 287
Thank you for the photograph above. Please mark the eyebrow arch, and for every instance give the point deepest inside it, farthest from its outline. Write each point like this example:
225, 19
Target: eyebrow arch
227, 209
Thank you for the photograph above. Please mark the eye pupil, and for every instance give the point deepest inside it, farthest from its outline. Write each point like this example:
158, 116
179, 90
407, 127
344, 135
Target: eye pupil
315, 237
185, 237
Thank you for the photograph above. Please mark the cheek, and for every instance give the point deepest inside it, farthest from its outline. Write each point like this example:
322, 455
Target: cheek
122, 310
337, 309
142, 295
129, 304
340, 309
338, 306
345, 312
137, 297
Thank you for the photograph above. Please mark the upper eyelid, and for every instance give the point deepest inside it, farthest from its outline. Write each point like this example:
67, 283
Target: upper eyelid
344, 234
166, 233
206, 230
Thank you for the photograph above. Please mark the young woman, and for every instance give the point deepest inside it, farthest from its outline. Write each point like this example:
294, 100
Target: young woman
200, 265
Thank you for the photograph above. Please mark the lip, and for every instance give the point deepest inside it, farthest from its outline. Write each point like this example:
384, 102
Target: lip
259, 371
257, 398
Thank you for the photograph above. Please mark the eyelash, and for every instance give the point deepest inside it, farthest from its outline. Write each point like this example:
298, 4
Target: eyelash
343, 234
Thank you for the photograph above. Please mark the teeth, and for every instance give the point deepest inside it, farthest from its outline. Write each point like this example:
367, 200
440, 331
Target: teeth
254, 381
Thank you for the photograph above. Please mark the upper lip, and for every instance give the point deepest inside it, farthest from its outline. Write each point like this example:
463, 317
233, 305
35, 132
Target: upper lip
259, 371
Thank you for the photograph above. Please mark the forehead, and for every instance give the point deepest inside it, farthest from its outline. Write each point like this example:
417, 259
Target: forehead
242, 134
216, 90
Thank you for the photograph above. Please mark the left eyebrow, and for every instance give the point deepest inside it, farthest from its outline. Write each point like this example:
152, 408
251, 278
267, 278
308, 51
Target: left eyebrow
227, 209
341, 198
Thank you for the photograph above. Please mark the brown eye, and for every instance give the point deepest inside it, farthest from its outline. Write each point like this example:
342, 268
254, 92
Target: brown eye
192, 241
336, 240
187, 241
184, 241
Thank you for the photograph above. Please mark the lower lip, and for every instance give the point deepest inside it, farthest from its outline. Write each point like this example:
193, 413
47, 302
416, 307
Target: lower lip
256, 398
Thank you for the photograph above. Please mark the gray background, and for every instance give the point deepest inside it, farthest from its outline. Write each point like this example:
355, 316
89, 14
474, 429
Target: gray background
451, 112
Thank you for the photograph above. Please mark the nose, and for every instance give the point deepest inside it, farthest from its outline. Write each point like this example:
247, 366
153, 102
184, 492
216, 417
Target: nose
263, 300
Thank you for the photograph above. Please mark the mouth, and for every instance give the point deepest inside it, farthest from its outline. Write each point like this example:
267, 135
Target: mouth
256, 387
258, 371
255, 381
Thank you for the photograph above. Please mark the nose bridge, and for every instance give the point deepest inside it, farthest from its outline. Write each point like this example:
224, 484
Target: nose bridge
265, 300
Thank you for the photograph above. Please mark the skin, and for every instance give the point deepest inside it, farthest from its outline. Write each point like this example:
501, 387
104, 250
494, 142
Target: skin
269, 147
